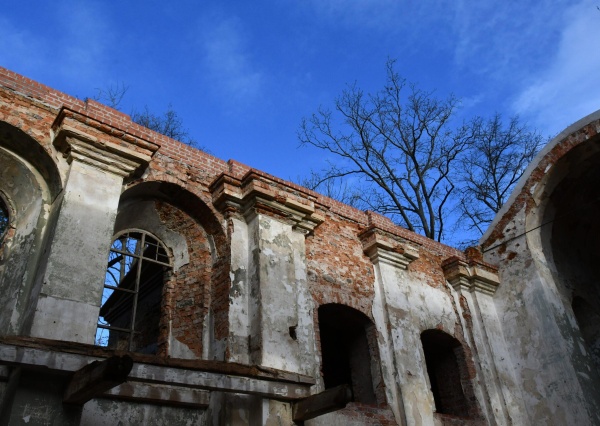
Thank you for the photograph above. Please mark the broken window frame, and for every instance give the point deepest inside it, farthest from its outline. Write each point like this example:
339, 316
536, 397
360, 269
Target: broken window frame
5, 218
129, 249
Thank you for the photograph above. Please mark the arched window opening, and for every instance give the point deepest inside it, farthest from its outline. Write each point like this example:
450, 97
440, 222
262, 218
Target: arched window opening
446, 368
588, 320
345, 351
131, 299
4, 219
571, 243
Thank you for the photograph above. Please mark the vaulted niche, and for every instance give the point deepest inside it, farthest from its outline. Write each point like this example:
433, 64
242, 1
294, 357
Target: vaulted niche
446, 368
29, 185
131, 300
571, 233
194, 321
347, 351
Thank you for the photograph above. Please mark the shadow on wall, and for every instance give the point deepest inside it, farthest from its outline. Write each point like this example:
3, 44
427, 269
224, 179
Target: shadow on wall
349, 355
448, 374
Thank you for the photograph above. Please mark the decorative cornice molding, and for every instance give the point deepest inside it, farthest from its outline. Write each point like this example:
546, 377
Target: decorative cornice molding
118, 156
381, 247
471, 275
255, 194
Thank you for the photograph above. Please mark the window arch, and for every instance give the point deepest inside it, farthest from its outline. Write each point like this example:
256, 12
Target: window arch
348, 351
447, 371
131, 300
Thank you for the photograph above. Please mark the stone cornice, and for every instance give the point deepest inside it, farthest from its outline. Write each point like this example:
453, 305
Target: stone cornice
257, 194
106, 128
471, 275
124, 157
382, 247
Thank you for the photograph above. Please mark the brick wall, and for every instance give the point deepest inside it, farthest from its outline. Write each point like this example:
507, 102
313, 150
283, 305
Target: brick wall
338, 270
186, 295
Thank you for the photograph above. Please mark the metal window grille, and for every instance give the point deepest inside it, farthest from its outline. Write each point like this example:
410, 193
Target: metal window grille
4, 219
130, 307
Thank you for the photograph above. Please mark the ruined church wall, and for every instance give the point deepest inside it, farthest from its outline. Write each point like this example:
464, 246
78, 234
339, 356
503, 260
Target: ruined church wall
254, 257
552, 364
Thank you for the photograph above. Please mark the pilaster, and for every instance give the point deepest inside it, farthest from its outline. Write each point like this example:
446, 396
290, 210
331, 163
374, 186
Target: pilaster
98, 162
476, 282
471, 275
270, 314
391, 257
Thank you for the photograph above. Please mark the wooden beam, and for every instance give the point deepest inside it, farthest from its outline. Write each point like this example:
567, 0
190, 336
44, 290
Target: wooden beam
220, 376
322, 403
96, 378
282, 391
162, 394
10, 345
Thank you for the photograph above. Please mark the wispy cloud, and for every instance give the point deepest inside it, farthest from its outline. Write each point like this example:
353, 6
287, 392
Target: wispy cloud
86, 40
486, 37
228, 61
501, 39
568, 88
18, 48
73, 47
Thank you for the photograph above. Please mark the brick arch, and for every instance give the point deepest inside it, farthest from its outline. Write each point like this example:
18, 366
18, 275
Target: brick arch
186, 200
19, 143
191, 293
29, 184
565, 234
347, 344
542, 176
450, 371
362, 305
566, 208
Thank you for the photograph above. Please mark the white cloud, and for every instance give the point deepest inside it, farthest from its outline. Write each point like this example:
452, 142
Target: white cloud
486, 37
568, 89
500, 38
19, 49
85, 44
73, 47
228, 62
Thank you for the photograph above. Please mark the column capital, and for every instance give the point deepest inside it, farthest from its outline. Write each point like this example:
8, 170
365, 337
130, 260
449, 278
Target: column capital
106, 149
383, 247
257, 193
471, 275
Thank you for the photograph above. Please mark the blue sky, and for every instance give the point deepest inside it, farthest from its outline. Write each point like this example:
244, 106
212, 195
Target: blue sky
242, 74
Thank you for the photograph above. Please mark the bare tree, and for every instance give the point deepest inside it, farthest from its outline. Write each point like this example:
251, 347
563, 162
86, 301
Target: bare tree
112, 95
399, 148
337, 189
491, 168
168, 124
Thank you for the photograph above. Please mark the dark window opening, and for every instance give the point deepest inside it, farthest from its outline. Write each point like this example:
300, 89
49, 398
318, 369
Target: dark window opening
293, 334
345, 351
444, 356
4, 219
588, 320
131, 299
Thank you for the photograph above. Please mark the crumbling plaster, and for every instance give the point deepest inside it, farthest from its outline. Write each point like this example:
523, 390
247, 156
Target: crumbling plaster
28, 213
558, 383
254, 257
